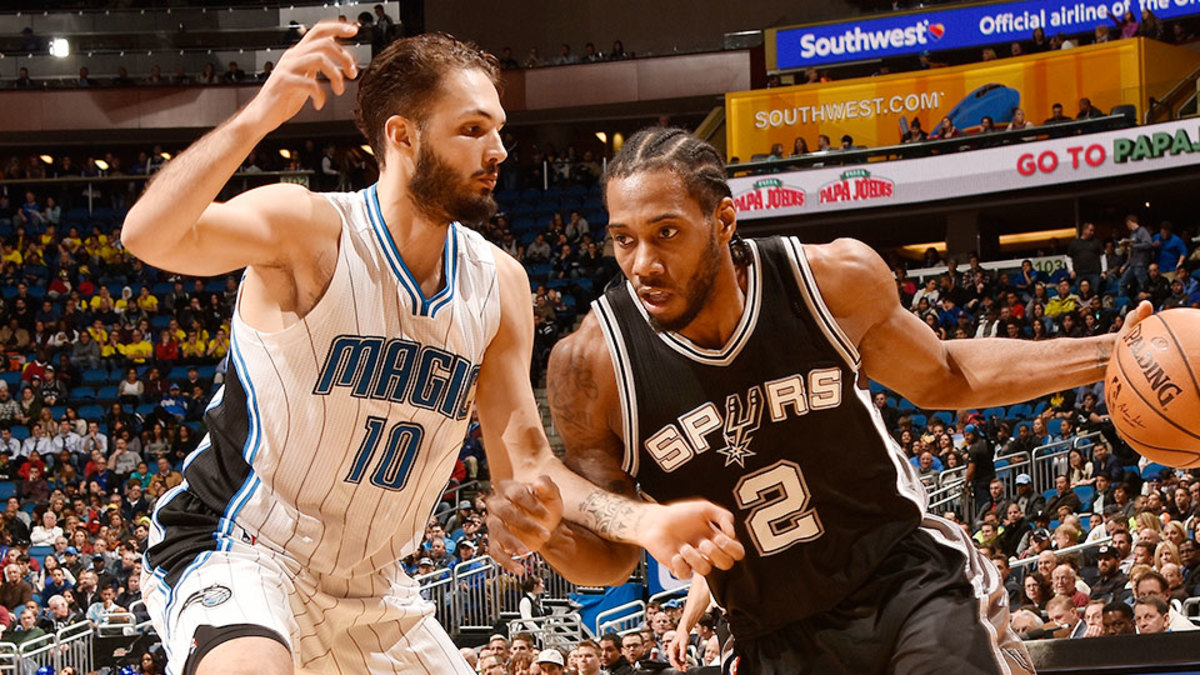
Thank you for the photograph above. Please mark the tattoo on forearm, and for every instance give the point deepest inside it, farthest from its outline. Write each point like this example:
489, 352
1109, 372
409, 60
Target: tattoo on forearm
609, 515
1104, 352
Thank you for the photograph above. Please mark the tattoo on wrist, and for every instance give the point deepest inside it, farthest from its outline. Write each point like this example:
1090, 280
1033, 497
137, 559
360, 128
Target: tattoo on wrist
609, 515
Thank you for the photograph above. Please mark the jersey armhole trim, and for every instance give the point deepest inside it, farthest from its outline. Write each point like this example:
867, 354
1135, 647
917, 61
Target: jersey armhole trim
816, 304
626, 388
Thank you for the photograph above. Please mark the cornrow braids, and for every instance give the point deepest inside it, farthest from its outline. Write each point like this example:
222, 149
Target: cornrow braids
697, 163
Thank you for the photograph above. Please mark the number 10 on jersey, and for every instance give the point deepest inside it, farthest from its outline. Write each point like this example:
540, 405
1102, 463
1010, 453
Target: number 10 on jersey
399, 454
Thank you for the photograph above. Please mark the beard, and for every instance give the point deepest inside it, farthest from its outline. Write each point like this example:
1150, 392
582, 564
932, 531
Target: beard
695, 294
439, 192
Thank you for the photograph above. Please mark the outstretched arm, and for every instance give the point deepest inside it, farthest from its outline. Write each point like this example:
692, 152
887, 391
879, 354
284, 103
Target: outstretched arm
899, 351
698, 599
176, 225
686, 536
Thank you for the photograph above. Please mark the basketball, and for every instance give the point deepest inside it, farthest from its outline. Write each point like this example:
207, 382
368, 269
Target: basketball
1151, 388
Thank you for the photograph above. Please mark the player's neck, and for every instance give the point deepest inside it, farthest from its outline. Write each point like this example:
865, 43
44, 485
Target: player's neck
722, 312
419, 239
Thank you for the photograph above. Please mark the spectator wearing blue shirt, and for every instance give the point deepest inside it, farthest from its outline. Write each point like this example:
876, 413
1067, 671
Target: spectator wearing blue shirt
1169, 248
173, 403
949, 313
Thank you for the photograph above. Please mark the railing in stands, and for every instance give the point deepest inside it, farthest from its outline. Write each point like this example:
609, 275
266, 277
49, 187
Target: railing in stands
70, 646
1164, 108
621, 619
556, 631
1016, 564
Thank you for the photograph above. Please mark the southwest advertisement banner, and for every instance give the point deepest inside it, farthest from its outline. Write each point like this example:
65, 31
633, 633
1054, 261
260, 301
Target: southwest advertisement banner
1013, 167
874, 111
952, 28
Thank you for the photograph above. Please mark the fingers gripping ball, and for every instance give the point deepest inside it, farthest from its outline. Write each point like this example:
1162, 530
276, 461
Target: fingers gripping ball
1152, 388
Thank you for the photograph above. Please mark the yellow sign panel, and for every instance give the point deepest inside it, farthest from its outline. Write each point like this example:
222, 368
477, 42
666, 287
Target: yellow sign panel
873, 111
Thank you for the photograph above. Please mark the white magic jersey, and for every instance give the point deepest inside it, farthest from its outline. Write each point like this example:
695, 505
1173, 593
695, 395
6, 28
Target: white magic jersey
342, 430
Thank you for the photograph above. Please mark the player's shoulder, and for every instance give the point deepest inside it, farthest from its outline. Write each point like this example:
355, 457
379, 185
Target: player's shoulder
587, 343
582, 385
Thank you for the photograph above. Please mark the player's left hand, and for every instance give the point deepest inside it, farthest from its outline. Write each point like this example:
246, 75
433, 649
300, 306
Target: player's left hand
521, 518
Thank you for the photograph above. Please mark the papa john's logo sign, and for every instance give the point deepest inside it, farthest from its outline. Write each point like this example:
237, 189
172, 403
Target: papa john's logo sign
769, 194
857, 185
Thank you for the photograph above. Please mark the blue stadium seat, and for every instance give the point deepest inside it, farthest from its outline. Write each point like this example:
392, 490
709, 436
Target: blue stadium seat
83, 394
918, 421
1049, 494
905, 404
57, 411
161, 289
8, 489
20, 433
1121, 302
206, 372
107, 393
945, 416
160, 321
875, 387
989, 413
1020, 411
178, 373
92, 413
146, 408
1152, 471
1086, 493
12, 378
40, 552
539, 271
215, 286
95, 377
576, 191
1040, 408
1054, 426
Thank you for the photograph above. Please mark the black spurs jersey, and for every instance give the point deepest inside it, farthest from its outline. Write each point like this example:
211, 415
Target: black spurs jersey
774, 428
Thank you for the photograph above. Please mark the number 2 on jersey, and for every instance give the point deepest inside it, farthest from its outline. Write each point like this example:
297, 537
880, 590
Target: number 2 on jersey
399, 454
778, 498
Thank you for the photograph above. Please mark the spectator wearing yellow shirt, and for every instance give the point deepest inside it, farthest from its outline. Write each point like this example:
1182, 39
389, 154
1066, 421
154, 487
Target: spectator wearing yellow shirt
1064, 302
11, 255
49, 237
147, 302
126, 299
193, 348
139, 350
72, 241
218, 347
176, 332
102, 294
98, 333
111, 350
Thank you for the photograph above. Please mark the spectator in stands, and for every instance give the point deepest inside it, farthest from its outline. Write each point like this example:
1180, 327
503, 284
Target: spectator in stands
1087, 110
981, 468
102, 612
207, 76
565, 57
547, 662
1084, 253
1118, 619
26, 630
234, 75
946, 129
611, 659
47, 531
1111, 581
1169, 250
587, 658
1135, 271
1064, 497
1037, 591
1063, 580
1056, 115
1156, 288
995, 503
1150, 613
1127, 24
84, 79
14, 590
1018, 120
23, 80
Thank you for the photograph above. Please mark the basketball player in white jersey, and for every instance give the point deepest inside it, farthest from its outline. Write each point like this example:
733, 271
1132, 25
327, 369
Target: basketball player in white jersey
365, 324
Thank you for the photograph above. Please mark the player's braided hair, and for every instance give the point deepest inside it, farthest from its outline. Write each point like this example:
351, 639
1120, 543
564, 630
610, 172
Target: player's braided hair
697, 163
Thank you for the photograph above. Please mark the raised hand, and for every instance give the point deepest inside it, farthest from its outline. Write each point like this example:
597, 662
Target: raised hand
294, 79
677, 651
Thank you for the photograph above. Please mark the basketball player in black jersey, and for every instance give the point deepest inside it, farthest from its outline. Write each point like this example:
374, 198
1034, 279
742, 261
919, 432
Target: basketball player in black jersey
735, 371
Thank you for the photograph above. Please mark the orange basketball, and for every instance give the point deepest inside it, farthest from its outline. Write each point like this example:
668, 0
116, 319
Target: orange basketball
1152, 389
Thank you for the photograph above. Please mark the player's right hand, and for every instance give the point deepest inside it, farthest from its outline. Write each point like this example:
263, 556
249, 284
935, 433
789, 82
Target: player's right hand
691, 536
294, 80
677, 651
